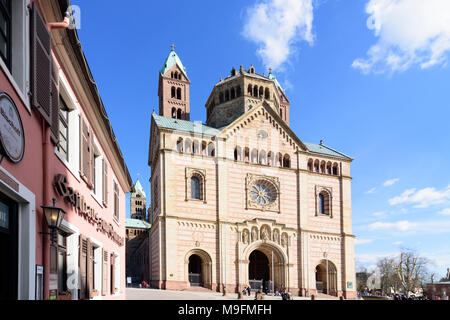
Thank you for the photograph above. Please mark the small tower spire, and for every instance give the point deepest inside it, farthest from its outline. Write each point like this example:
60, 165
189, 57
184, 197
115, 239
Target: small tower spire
173, 47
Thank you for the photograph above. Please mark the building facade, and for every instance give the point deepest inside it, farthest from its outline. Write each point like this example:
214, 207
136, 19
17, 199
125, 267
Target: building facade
241, 200
58, 150
138, 203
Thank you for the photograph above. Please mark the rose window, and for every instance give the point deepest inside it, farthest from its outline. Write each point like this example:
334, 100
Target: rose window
263, 193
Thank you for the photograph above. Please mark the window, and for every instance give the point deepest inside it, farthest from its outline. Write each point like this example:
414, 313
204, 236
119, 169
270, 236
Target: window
179, 93
195, 184
195, 188
321, 204
63, 145
5, 32
116, 201
62, 262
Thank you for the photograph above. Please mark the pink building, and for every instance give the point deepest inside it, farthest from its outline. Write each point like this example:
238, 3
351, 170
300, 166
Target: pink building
57, 143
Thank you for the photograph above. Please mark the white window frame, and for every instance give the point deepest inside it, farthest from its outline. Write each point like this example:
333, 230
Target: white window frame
73, 163
19, 76
98, 178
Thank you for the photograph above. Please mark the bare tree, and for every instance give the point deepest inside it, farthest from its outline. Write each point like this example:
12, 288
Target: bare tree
411, 270
388, 276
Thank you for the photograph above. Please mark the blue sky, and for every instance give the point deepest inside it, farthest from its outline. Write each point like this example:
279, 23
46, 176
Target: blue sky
369, 77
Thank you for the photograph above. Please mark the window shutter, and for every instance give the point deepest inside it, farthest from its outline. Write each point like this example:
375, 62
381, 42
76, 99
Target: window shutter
90, 269
91, 159
41, 65
85, 154
113, 276
105, 273
83, 264
105, 182
116, 201
54, 132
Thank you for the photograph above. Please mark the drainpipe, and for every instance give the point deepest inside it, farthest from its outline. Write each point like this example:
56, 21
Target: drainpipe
60, 25
46, 147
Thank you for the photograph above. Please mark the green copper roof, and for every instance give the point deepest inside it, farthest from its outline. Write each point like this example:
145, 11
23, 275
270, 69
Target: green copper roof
183, 125
272, 77
138, 188
323, 149
137, 224
171, 60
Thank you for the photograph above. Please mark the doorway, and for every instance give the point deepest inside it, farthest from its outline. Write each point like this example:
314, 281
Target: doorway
8, 249
195, 271
259, 271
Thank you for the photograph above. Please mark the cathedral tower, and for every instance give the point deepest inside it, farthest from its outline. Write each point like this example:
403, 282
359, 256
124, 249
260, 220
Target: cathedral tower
173, 89
138, 203
241, 91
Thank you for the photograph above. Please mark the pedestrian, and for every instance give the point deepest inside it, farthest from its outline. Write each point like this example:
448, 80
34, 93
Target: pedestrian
240, 297
258, 295
248, 290
244, 292
313, 297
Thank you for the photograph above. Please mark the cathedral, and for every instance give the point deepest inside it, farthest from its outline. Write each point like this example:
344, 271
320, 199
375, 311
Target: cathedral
240, 200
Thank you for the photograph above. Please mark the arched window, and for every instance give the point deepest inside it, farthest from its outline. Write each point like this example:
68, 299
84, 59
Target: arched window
270, 158
232, 94
196, 147
173, 92
286, 161
267, 94
171, 74
335, 169
179, 114
321, 204
324, 202
237, 154
246, 154
195, 188
221, 97
316, 166
261, 92
329, 168
254, 156
188, 146
310, 165
179, 76
176, 75
174, 112
211, 150
227, 95
279, 159
249, 89
262, 157
255, 91
322, 167
238, 91
281, 113
180, 145
179, 93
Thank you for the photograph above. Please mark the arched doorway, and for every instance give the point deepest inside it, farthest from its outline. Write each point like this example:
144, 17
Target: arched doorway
259, 271
198, 269
195, 271
326, 284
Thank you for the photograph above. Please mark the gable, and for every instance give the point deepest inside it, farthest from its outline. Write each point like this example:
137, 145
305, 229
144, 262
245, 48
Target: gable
261, 127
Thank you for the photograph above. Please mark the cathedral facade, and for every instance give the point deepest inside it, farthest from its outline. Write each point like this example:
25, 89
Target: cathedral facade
240, 200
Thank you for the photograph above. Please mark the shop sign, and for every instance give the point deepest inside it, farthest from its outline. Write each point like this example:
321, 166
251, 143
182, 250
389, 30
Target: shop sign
77, 200
12, 138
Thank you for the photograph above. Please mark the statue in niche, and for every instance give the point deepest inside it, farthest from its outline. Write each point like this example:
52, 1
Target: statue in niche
284, 240
265, 233
276, 236
254, 234
245, 236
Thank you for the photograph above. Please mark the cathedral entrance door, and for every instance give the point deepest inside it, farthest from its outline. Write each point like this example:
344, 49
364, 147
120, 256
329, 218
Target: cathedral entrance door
258, 271
195, 271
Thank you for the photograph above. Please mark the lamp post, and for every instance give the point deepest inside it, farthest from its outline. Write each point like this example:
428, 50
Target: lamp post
325, 255
53, 216
273, 278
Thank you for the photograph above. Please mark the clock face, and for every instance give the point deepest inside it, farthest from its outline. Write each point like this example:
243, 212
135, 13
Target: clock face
262, 134
11, 130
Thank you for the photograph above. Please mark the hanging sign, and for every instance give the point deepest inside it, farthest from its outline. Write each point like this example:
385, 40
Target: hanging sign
12, 138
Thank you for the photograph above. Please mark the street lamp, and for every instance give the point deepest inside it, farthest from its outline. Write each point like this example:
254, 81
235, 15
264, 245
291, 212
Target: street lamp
53, 216
325, 255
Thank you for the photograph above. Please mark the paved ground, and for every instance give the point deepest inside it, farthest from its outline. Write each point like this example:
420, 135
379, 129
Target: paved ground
155, 294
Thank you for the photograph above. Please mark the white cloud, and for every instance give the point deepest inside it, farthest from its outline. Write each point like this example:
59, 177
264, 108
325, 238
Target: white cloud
422, 198
370, 191
409, 32
445, 212
397, 243
379, 214
363, 241
276, 25
390, 182
405, 226
400, 225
